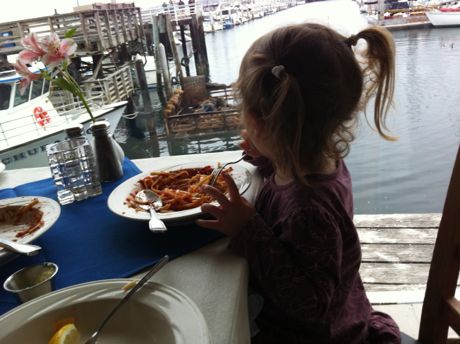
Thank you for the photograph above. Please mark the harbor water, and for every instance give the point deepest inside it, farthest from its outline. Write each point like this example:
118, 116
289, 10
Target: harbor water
409, 175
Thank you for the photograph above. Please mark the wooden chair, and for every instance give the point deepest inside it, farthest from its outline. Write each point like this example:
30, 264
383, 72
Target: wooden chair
441, 309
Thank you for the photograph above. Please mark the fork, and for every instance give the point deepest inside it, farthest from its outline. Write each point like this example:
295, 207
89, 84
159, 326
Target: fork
26, 249
156, 267
218, 170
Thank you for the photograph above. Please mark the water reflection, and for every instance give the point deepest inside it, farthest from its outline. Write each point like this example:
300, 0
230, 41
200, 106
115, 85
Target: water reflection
139, 138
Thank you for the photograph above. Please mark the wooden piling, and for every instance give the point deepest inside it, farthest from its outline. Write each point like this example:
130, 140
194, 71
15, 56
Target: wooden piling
185, 59
97, 64
164, 69
156, 43
172, 44
143, 86
199, 46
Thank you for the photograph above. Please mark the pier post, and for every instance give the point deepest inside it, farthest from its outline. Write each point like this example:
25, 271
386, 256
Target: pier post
161, 61
185, 59
143, 86
156, 42
380, 10
161, 56
172, 43
97, 64
199, 46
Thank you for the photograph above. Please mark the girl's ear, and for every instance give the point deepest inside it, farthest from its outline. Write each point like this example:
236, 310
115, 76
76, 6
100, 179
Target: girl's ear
254, 124
259, 127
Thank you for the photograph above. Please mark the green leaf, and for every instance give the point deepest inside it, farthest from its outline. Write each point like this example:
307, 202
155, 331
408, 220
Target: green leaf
64, 85
70, 33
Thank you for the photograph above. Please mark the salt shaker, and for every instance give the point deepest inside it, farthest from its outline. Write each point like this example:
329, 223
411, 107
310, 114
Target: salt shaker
75, 130
107, 158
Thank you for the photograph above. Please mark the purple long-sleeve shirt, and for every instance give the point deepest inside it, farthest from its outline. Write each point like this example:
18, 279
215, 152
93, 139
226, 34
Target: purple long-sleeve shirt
304, 255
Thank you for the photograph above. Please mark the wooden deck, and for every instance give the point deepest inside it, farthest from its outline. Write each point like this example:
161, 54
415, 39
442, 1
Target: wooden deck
396, 255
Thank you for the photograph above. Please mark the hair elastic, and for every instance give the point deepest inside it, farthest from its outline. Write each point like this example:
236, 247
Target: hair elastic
352, 40
277, 70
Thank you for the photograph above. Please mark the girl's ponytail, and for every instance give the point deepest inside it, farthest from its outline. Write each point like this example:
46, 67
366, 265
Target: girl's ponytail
379, 75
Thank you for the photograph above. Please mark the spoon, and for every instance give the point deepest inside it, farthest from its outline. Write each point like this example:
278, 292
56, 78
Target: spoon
149, 200
26, 249
156, 267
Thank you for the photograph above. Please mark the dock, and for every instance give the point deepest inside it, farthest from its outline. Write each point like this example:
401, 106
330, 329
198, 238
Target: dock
98, 27
396, 255
411, 22
107, 36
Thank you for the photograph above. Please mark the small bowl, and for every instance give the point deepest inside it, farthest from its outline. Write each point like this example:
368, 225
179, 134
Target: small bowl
32, 281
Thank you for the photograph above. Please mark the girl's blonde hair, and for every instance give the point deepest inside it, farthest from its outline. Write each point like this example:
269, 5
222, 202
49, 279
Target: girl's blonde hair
307, 104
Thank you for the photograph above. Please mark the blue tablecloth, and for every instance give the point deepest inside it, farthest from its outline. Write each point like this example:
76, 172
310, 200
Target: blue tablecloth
89, 243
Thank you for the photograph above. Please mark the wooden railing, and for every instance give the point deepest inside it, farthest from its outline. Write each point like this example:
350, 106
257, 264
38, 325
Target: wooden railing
176, 12
184, 12
116, 86
97, 29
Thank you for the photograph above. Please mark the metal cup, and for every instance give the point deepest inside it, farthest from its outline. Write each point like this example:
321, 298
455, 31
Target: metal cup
32, 281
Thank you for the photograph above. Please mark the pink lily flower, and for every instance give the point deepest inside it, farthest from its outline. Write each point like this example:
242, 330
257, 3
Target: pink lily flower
56, 51
27, 75
33, 51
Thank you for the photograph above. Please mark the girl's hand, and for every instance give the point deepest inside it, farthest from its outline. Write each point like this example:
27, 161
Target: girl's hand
231, 213
247, 145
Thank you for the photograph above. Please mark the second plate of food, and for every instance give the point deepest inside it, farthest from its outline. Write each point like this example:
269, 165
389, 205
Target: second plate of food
179, 187
23, 219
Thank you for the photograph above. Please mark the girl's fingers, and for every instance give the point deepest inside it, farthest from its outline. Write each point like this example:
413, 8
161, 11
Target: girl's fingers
218, 196
211, 224
232, 188
211, 209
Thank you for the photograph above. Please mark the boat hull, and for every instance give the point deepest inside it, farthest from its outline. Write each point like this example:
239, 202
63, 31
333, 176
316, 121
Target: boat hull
439, 19
33, 153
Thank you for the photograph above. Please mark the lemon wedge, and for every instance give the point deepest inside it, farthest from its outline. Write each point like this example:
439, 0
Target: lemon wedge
67, 334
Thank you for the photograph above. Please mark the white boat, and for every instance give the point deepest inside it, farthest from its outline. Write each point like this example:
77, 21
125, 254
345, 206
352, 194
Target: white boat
444, 17
31, 121
230, 17
210, 23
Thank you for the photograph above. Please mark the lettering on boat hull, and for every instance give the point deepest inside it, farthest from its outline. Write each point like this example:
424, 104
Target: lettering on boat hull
31, 155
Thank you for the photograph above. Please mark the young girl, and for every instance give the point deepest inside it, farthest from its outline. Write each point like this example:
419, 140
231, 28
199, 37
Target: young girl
301, 88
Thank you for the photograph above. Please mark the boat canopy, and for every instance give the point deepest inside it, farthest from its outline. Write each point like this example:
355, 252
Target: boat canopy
10, 75
10, 95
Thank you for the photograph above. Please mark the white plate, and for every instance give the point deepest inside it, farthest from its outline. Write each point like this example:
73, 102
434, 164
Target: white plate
116, 201
51, 211
155, 314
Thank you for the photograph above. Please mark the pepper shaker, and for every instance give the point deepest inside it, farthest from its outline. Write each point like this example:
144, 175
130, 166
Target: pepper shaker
108, 160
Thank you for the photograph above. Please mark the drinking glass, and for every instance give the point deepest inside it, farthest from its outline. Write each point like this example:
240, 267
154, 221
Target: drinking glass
73, 169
